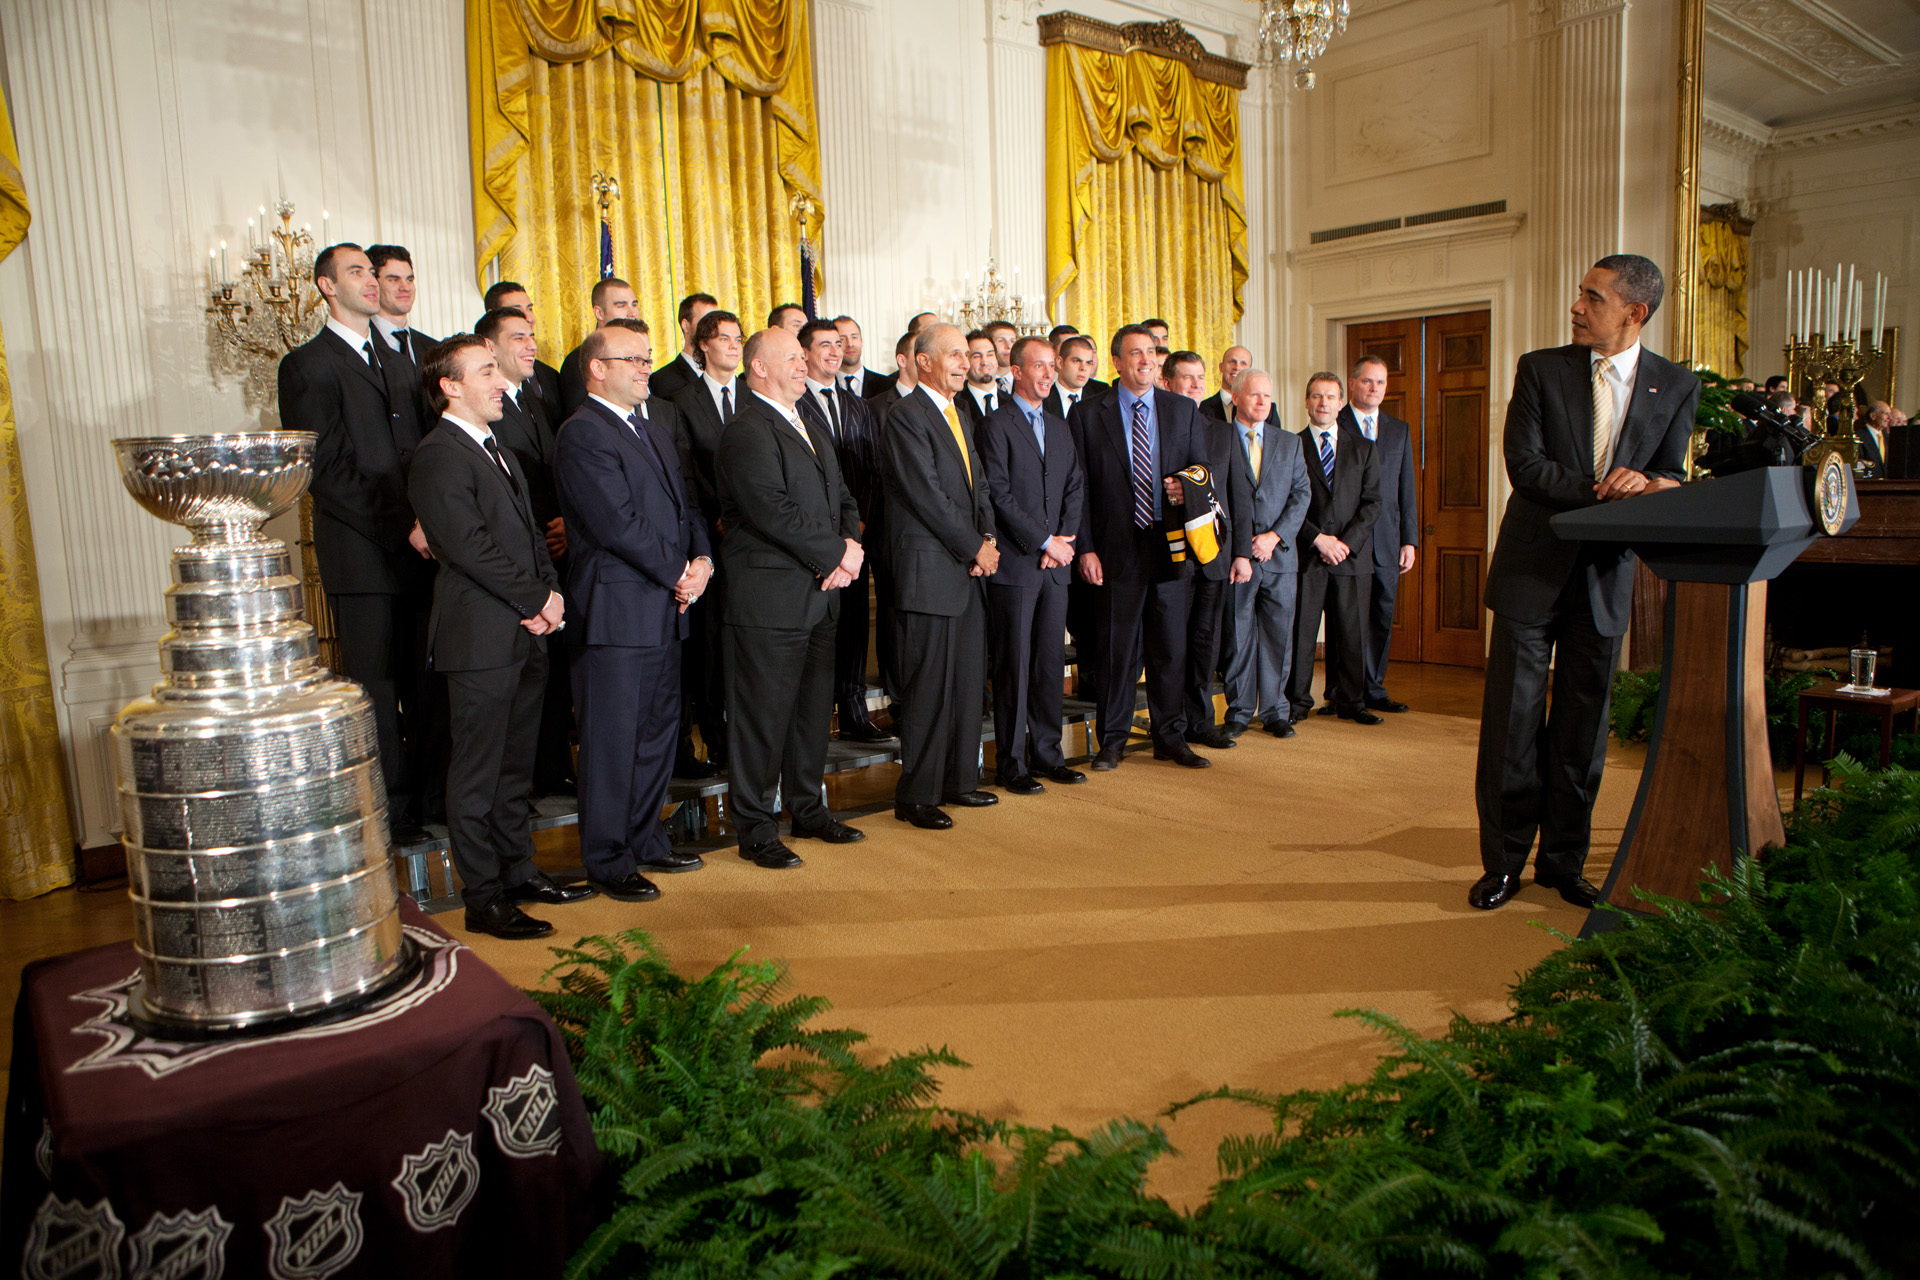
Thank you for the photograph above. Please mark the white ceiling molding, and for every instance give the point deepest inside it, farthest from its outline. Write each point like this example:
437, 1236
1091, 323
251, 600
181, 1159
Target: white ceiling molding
1733, 129
1808, 43
1847, 128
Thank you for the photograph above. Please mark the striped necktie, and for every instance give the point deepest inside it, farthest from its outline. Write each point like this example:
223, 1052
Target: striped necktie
1602, 419
1142, 468
1326, 454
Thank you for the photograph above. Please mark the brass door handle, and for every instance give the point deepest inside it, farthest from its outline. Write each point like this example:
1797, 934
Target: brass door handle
1431, 530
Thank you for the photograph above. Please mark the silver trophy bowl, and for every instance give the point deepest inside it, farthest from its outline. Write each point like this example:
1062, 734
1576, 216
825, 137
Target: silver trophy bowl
251, 801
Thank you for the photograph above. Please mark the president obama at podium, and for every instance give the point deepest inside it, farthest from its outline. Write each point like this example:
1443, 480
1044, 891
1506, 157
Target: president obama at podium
1595, 421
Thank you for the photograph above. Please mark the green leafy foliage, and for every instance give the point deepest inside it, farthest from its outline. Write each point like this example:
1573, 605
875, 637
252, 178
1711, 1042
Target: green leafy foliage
1636, 695
1715, 411
1729, 1088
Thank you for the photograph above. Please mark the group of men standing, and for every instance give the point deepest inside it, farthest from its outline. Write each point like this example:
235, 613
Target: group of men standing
704, 534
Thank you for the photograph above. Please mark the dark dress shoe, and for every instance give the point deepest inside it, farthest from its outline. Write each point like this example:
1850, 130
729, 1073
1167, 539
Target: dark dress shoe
771, 854
1233, 729
1360, 715
1575, 888
1183, 755
972, 799
1281, 728
830, 831
1489, 892
1326, 709
857, 727
673, 863
569, 787
504, 920
541, 889
402, 833
1107, 760
632, 887
692, 769
1387, 705
1209, 736
1024, 785
1061, 774
922, 815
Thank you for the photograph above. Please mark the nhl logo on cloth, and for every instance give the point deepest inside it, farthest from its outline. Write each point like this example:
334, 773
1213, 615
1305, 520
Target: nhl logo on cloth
71, 1241
435, 1184
525, 1114
314, 1236
181, 1246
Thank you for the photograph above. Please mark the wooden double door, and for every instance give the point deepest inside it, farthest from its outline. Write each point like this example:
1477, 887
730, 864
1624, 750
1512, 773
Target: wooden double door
1437, 380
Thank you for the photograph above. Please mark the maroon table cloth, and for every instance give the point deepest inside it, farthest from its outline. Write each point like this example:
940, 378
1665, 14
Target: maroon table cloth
437, 1132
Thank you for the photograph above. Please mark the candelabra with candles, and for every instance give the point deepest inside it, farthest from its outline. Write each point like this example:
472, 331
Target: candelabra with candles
1825, 344
995, 300
268, 310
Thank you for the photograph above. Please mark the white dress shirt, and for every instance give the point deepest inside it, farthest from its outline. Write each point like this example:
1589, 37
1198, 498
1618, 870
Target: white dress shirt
788, 416
1368, 422
480, 435
358, 341
822, 392
714, 389
386, 329
1333, 439
980, 395
617, 411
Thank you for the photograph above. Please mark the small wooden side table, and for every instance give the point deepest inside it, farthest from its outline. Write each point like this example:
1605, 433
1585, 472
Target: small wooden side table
1832, 698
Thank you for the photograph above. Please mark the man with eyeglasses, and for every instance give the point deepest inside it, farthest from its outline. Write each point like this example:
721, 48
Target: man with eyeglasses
638, 559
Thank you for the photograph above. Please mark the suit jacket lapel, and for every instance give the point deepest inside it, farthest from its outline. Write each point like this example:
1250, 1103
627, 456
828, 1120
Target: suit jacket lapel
1647, 391
814, 419
516, 487
342, 351
633, 445
1577, 386
953, 445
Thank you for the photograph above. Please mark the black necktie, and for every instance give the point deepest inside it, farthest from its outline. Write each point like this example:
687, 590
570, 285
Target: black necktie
989, 403
400, 341
366, 349
833, 412
726, 404
493, 451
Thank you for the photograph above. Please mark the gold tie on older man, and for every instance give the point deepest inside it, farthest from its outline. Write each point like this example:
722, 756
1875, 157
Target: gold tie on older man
960, 440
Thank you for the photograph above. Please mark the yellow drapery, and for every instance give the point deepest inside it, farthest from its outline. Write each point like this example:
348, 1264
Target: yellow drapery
1720, 309
1145, 215
36, 843
701, 109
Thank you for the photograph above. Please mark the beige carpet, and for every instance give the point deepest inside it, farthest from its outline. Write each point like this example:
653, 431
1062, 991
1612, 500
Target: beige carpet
1109, 948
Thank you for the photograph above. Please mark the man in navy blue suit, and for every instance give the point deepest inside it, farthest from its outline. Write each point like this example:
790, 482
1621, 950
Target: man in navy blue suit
638, 557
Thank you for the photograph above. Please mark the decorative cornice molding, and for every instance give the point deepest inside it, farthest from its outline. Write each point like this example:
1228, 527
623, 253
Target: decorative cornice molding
1497, 226
1733, 130
1846, 128
1808, 43
1168, 39
1549, 15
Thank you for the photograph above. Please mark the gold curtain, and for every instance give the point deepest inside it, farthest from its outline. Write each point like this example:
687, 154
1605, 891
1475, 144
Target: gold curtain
1720, 315
701, 109
1144, 208
36, 844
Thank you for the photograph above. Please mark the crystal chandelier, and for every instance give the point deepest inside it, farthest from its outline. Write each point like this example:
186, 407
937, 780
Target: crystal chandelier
1297, 31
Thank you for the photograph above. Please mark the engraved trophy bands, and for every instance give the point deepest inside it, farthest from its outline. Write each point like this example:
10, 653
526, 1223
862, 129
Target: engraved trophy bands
250, 788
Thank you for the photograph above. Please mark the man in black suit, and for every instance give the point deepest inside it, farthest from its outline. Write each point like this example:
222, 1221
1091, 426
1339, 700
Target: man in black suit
1076, 382
940, 541
865, 383
1336, 556
1131, 442
792, 543
612, 299
884, 630
902, 385
525, 430
1002, 333
545, 383
789, 316
1595, 421
1264, 608
670, 379
374, 564
981, 396
1034, 481
1210, 639
1396, 532
393, 268
494, 604
1871, 431
832, 411
637, 558
1220, 406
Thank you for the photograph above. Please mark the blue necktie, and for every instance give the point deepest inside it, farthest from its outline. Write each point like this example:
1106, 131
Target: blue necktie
1142, 468
1039, 432
1326, 454
639, 425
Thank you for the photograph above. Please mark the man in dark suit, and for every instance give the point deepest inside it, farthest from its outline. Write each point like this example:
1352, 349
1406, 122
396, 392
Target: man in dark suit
1220, 406
613, 299
494, 604
1076, 382
865, 383
1209, 625
792, 543
901, 386
981, 396
1263, 608
1002, 333
1396, 533
1034, 481
884, 631
545, 383
1871, 431
940, 541
705, 407
1131, 442
374, 564
393, 268
1336, 556
637, 558
525, 430
787, 315
1599, 420
681, 372
837, 414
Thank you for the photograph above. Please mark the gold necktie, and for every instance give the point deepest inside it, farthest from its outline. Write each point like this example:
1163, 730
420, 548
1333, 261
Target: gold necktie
1253, 453
1602, 420
953, 425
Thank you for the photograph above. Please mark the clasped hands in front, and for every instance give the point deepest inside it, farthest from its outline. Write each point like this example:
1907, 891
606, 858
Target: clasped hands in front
550, 618
1624, 483
692, 583
848, 569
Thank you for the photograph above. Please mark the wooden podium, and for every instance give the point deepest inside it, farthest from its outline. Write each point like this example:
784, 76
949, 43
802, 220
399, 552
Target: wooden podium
1707, 795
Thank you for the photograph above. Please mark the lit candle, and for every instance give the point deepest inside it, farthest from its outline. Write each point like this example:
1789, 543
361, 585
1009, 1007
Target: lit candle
212, 255
224, 276
1879, 306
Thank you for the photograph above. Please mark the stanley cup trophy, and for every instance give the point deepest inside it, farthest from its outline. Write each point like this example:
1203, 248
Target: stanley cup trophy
250, 788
